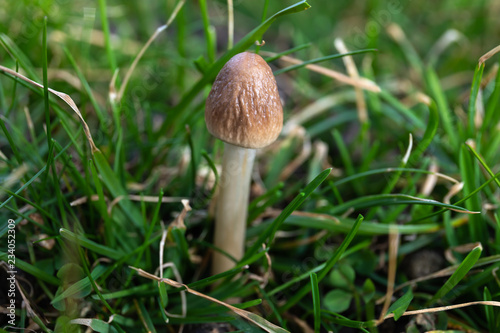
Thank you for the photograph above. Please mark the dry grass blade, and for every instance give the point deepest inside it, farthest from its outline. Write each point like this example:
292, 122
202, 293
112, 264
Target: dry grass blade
463, 248
406, 157
64, 97
264, 279
448, 271
164, 233
132, 197
177, 8
29, 122
153, 198
259, 321
446, 308
302, 324
423, 98
489, 54
273, 213
74, 31
114, 203
27, 301
230, 24
449, 37
396, 32
160, 269
391, 275
353, 73
479, 115
361, 82
179, 220
430, 181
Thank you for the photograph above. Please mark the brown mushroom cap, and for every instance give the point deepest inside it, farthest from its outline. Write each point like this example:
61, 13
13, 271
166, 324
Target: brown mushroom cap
244, 107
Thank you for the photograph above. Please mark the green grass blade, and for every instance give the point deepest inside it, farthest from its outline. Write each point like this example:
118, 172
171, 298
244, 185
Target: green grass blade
91, 278
268, 235
283, 157
430, 132
102, 207
296, 279
193, 163
343, 321
393, 199
341, 249
470, 173
316, 302
284, 53
497, 230
344, 153
202, 202
399, 307
458, 275
140, 290
391, 100
343, 225
97, 325
146, 318
211, 43
46, 82
490, 311
233, 271
407, 47
91, 245
11, 142
483, 163
464, 199
114, 186
380, 171
107, 35
264, 324
328, 265
442, 104
263, 18
79, 286
36, 206
28, 183
13, 98
318, 60
490, 116
162, 291
32, 270
259, 205
274, 310
103, 118
20, 57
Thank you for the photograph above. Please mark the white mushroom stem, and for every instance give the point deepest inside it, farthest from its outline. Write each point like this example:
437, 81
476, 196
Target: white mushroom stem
232, 206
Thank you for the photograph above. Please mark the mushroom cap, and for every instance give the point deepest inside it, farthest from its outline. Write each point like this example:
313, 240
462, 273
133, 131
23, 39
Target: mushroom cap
244, 107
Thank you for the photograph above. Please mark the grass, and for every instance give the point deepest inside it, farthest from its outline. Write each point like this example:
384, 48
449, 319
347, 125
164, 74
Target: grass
388, 159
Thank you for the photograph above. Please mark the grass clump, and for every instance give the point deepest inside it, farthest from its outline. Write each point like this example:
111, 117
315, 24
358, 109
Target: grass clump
376, 210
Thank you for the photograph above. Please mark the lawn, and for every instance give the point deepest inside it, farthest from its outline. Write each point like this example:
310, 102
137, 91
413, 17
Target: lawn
375, 210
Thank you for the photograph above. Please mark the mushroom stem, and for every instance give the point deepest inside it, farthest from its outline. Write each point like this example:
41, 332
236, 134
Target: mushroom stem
232, 206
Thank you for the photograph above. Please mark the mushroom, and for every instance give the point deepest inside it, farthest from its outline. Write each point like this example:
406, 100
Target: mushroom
244, 110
